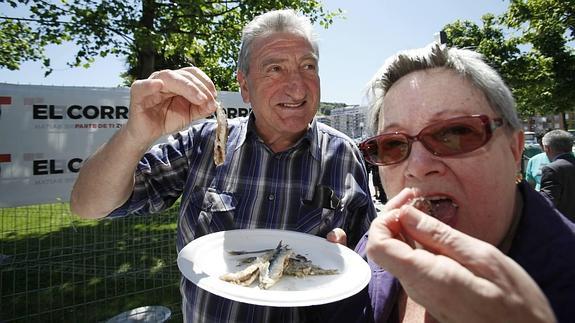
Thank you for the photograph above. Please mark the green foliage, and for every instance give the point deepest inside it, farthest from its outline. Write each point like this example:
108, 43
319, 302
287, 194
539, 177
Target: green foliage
151, 34
326, 107
531, 46
24, 45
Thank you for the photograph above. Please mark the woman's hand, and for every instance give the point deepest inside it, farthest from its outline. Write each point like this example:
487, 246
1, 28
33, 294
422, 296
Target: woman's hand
455, 277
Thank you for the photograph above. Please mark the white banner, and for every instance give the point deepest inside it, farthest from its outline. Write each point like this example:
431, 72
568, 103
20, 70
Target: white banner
47, 131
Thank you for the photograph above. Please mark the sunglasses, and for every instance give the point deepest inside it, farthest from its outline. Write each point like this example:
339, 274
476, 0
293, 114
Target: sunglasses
449, 137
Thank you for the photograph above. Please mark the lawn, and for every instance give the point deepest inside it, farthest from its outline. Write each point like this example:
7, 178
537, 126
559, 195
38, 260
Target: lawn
56, 267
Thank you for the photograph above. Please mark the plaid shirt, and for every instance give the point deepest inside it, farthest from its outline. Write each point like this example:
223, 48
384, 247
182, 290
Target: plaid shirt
313, 187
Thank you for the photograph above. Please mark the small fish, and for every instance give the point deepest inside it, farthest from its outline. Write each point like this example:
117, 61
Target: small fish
422, 204
271, 272
249, 274
221, 135
243, 277
300, 266
245, 252
271, 266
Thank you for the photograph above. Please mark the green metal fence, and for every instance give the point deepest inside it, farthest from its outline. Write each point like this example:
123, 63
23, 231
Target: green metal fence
55, 267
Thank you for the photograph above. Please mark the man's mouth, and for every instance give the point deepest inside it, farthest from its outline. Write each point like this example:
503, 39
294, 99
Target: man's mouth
292, 105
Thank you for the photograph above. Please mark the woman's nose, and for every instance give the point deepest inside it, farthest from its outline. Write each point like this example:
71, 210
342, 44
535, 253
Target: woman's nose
421, 162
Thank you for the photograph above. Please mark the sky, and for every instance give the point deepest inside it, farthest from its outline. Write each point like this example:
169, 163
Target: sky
351, 50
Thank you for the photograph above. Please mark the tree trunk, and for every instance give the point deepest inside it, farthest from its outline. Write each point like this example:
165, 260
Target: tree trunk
145, 43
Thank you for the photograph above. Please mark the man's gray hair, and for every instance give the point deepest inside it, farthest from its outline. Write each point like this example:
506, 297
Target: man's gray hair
558, 140
467, 63
286, 20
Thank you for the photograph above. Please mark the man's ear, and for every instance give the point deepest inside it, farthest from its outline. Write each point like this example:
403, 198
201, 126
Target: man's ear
244, 91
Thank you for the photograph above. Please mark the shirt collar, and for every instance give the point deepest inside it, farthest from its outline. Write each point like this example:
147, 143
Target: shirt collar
311, 136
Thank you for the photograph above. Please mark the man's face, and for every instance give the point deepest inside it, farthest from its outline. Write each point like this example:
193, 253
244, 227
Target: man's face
282, 86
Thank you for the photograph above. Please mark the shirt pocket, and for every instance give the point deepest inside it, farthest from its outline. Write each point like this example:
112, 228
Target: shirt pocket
321, 214
216, 211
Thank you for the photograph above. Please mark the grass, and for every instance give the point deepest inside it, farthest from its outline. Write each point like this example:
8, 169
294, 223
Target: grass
56, 267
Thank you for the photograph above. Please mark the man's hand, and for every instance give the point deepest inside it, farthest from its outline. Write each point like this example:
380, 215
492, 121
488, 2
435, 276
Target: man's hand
169, 101
337, 235
455, 277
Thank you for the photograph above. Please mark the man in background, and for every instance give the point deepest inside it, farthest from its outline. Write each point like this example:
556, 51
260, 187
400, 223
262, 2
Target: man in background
558, 177
535, 164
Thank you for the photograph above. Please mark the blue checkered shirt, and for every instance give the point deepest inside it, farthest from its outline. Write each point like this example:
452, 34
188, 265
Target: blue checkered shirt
317, 185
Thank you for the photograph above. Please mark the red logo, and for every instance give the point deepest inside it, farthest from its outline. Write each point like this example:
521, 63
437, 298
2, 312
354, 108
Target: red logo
5, 100
4, 158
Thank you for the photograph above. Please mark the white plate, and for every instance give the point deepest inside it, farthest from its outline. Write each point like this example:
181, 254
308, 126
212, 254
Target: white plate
205, 259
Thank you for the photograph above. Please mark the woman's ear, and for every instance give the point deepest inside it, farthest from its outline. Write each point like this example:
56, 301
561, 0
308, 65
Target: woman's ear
517, 146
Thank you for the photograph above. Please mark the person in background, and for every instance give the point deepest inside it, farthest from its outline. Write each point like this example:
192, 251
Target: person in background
282, 170
376, 182
558, 177
534, 166
460, 239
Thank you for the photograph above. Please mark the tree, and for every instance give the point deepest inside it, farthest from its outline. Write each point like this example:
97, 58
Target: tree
529, 46
151, 34
549, 27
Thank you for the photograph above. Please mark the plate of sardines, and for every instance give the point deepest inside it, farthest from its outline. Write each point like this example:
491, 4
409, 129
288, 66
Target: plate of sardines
273, 267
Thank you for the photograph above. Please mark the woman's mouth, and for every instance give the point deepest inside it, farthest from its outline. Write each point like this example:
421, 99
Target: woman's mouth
439, 207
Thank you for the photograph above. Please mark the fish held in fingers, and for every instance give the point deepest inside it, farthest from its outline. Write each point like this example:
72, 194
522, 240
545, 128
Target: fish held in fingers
221, 135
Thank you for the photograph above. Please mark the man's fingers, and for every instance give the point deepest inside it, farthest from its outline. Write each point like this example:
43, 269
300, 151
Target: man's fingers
189, 86
337, 235
205, 79
146, 93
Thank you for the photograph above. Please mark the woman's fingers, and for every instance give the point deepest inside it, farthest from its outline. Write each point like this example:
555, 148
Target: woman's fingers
400, 199
455, 277
481, 258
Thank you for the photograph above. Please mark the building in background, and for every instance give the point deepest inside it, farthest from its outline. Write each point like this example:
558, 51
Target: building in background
350, 120
324, 119
542, 124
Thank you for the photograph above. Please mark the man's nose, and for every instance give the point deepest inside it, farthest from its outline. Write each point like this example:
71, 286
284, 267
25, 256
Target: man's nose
295, 86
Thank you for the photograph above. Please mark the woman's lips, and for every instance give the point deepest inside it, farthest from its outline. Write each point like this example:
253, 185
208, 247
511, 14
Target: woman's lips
441, 208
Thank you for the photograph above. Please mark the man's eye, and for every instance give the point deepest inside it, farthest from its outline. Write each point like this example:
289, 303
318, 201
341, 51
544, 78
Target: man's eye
274, 68
310, 67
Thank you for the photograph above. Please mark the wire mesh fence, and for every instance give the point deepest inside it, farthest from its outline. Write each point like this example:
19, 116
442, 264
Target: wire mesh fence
55, 267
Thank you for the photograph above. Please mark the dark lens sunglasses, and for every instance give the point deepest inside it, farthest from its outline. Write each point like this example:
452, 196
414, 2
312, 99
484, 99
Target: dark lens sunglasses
449, 137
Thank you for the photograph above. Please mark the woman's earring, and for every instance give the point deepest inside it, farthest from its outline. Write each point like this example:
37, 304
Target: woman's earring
518, 177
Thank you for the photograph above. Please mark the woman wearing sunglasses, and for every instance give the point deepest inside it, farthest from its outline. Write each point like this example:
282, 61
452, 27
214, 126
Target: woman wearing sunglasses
484, 247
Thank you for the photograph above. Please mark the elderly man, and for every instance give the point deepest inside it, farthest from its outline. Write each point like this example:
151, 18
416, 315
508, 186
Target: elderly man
282, 169
558, 177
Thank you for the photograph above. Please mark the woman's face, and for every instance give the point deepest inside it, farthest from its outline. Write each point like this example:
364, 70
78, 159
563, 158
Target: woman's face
480, 183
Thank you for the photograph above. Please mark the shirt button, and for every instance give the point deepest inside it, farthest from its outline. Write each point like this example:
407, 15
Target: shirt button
271, 197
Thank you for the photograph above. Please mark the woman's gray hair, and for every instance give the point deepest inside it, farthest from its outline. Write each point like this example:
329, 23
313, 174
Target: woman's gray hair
286, 20
464, 62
